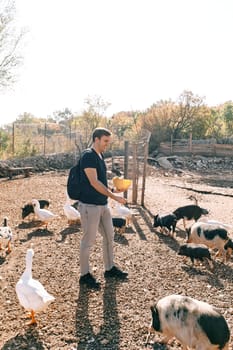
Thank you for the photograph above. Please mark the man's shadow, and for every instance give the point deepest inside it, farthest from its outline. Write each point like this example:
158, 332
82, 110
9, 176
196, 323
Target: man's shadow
107, 337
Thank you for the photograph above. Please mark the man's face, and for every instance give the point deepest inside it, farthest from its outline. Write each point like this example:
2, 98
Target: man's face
103, 143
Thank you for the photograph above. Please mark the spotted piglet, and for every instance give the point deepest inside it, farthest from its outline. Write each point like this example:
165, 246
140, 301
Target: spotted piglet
195, 324
166, 222
213, 236
196, 252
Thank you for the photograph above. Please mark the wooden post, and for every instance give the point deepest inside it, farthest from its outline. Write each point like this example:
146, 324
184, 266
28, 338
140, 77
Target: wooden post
190, 142
134, 195
214, 150
171, 144
13, 138
146, 147
112, 160
70, 126
45, 132
126, 165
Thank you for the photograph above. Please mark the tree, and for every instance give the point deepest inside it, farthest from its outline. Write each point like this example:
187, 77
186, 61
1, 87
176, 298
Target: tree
96, 105
64, 116
158, 120
166, 118
228, 116
184, 116
126, 125
27, 118
91, 118
10, 41
202, 123
4, 140
216, 124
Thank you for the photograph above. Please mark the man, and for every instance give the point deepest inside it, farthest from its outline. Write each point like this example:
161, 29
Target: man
95, 214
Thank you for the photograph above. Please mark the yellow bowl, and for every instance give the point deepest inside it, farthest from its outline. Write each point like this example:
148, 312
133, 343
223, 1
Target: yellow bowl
121, 184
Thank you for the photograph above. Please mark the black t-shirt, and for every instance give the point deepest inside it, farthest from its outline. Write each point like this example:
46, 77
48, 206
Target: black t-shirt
90, 159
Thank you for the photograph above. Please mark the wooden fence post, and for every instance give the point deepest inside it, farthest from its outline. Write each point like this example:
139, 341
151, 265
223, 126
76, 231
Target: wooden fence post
146, 146
134, 176
13, 139
190, 142
45, 132
126, 164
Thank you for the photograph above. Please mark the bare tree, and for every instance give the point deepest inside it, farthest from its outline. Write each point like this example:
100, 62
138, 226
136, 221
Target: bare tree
184, 116
96, 105
10, 40
91, 118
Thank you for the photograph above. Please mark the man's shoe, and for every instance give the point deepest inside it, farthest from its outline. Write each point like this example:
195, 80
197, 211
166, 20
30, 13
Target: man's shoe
89, 281
116, 272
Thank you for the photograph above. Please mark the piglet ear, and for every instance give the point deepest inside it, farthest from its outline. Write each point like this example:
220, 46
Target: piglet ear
152, 308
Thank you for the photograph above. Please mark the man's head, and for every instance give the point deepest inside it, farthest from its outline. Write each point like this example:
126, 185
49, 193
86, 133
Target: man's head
101, 138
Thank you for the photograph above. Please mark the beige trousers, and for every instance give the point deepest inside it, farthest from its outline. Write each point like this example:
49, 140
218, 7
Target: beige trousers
95, 218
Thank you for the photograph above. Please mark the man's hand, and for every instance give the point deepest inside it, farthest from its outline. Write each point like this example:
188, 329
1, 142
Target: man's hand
120, 199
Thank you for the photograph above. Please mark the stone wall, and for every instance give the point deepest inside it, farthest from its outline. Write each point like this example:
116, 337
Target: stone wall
40, 163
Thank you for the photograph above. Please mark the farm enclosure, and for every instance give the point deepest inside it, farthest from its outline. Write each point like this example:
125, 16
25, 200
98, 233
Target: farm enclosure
117, 317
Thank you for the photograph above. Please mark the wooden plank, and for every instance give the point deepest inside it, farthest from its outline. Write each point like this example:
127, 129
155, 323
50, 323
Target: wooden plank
14, 171
205, 149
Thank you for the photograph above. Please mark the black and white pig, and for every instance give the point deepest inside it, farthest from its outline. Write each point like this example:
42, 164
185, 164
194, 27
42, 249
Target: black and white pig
166, 221
196, 251
228, 248
189, 212
119, 224
213, 236
195, 324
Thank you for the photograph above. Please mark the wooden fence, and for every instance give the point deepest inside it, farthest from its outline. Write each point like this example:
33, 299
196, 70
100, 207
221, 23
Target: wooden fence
135, 165
189, 147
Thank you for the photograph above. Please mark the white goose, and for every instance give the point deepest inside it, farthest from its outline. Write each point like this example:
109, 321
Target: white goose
120, 211
6, 235
71, 213
43, 215
30, 292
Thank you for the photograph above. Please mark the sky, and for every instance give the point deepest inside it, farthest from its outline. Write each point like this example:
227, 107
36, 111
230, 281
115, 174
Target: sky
131, 53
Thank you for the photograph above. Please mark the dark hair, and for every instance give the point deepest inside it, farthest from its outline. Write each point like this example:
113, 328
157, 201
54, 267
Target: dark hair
99, 132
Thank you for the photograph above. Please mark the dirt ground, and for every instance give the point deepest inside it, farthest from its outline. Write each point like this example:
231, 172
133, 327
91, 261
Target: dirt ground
118, 316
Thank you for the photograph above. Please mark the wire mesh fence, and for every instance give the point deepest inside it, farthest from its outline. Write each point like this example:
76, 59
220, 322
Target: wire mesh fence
52, 138
46, 138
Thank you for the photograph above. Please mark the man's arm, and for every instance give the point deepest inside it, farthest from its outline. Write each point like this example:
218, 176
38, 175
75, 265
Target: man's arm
100, 187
